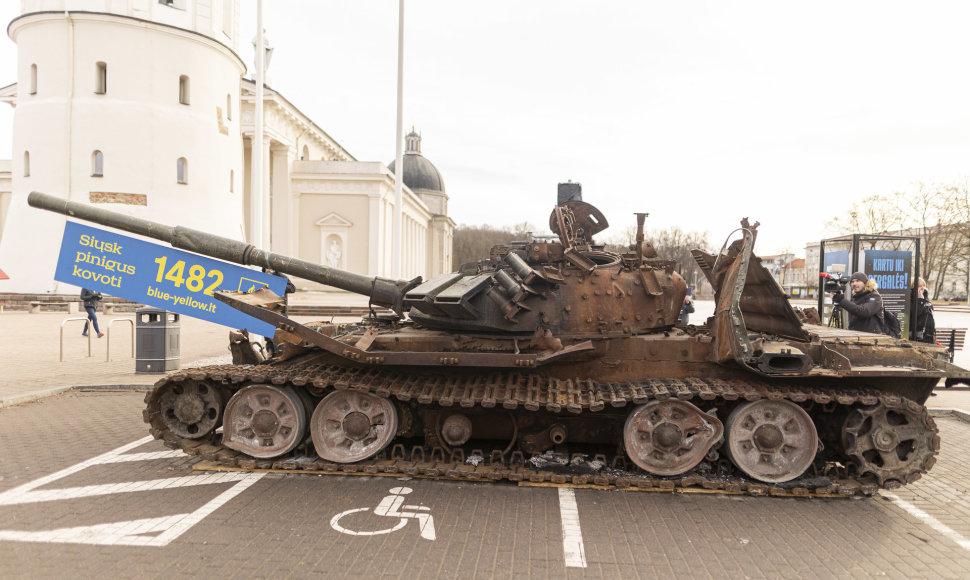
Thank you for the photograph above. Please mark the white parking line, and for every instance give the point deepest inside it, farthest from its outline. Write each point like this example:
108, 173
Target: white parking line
930, 520
572, 535
120, 487
159, 531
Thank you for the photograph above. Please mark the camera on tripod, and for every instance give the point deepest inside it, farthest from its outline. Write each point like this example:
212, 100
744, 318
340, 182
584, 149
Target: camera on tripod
834, 282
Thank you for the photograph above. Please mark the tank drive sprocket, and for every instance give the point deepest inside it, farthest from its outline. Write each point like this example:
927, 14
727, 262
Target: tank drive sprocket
896, 441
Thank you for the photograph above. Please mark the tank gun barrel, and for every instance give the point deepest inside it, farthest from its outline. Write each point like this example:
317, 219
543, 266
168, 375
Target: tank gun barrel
382, 291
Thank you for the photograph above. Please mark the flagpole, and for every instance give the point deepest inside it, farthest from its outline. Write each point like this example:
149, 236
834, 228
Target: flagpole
256, 190
399, 156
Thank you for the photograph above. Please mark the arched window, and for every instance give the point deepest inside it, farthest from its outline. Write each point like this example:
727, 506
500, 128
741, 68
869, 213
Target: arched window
33, 79
101, 78
26, 163
229, 107
97, 164
184, 90
306, 153
182, 170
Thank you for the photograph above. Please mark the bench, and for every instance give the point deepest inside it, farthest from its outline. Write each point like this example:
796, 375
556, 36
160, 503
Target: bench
120, 307
50, 306
951, 338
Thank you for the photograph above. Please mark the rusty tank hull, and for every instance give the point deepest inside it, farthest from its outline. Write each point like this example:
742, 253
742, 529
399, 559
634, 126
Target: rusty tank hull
561, 362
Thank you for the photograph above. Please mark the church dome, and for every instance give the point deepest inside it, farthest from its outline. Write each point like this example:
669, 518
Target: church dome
419, 173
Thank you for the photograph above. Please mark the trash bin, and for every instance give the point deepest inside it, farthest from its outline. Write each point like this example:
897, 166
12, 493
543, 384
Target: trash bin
156, 340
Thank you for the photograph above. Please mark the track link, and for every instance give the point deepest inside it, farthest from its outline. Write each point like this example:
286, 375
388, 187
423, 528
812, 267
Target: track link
530, 392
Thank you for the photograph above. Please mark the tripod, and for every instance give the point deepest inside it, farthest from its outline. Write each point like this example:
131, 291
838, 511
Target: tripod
837, 317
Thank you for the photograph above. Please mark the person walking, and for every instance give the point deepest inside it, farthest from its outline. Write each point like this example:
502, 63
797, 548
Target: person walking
90, 299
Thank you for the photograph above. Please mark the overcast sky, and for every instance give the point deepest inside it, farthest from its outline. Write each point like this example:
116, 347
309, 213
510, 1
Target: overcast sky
699, 113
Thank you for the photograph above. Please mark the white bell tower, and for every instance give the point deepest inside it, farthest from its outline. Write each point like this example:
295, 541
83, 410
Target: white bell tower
134, 107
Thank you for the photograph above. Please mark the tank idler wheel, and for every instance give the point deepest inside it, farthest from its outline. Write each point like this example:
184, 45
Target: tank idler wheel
771, 441
189, 409
896, 445
264, 421
350, 426
669, 437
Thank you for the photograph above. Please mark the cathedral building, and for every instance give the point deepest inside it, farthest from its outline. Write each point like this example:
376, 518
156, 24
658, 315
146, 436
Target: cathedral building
142, 107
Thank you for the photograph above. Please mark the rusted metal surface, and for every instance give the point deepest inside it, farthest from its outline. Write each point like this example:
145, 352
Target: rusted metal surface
348, 426
264, 421
528, 398
559, 349
670, 437
771, 440
886, 439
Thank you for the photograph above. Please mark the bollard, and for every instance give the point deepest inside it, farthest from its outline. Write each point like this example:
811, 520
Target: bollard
90, 332
131, 321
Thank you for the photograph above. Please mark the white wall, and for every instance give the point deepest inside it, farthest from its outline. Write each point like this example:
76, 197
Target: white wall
138, 124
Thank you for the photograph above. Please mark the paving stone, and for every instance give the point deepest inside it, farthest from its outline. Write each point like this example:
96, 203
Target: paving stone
281, 525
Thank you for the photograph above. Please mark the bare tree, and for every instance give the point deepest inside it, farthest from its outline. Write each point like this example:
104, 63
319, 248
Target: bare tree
472, 243
671, 243
939, 214
876, 214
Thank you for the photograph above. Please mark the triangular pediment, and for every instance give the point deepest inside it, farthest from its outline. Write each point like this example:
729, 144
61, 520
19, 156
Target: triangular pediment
333, 220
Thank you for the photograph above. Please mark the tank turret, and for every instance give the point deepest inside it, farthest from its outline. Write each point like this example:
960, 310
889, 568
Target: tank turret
569, 287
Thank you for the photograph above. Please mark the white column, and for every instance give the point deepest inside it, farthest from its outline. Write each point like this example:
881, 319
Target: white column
374, 238
265, 205
281, 228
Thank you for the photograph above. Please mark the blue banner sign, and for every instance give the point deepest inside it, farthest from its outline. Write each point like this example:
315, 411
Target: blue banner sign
891, 271
159, 276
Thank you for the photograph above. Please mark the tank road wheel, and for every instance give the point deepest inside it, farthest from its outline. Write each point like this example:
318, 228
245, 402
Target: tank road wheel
349, 426
896, 445
669, 437
189, 409
772, 441
264, 421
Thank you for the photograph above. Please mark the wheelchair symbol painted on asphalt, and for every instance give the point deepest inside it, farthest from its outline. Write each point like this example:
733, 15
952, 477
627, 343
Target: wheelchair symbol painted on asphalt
391, 507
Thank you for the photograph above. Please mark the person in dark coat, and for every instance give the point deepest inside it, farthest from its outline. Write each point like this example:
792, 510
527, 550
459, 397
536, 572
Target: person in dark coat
925, 328
90, 299
865, 306
686, 309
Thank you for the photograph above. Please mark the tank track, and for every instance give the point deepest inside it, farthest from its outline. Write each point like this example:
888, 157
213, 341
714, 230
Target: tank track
531, 392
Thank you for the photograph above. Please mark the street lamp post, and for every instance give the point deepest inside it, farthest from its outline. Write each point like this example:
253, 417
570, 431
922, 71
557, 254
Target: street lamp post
256, 190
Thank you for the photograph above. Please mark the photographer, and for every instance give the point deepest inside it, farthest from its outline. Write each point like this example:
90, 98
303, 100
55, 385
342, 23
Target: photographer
925, 330
865, 306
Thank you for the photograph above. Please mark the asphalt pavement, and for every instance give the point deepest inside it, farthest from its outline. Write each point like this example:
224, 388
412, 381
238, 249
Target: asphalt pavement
35, 344
85, 492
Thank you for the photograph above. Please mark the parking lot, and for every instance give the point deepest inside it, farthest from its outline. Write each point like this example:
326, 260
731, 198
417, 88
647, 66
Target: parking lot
84, 492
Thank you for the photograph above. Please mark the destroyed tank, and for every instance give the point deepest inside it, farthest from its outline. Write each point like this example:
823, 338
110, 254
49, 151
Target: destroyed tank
555, 360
